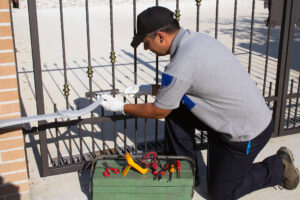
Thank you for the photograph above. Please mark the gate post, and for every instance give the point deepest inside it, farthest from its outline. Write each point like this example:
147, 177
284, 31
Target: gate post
284, 64
36, 60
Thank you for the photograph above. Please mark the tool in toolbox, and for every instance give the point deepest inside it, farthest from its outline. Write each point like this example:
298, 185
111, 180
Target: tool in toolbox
162, 172
133, 164
178, 168
107, 168
171, 172
152, 162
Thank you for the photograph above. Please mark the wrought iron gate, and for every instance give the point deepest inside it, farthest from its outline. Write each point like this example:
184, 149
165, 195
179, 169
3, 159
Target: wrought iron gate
67, 146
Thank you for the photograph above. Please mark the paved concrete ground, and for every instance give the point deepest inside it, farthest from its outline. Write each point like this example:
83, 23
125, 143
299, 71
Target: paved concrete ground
75, 185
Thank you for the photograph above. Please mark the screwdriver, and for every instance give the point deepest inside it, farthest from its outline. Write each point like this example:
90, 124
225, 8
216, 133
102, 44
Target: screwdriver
178, 168
172, 170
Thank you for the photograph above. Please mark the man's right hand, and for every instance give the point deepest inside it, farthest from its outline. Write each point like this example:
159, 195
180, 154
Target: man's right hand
138, 90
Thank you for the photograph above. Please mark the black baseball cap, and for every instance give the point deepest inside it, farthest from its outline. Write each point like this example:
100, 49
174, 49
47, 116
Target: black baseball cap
151, 20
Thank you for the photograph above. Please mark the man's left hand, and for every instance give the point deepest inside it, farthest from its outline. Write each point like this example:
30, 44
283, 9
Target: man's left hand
110, 103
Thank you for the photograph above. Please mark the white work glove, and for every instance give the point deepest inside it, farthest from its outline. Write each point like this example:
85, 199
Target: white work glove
112, 104
138, 90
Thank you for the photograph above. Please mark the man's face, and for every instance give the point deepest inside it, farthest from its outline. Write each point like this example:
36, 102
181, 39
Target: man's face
156, 45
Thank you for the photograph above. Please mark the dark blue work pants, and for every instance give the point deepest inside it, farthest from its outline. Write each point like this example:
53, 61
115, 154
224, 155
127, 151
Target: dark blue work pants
231, 172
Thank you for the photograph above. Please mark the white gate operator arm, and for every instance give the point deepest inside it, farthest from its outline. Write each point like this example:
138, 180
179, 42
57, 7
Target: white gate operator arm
62, 114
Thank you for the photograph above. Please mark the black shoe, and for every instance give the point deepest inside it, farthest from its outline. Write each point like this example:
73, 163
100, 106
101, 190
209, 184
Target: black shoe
291, 173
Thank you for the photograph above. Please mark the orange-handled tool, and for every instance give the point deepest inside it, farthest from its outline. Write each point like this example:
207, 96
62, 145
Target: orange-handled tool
172, 170
131, 163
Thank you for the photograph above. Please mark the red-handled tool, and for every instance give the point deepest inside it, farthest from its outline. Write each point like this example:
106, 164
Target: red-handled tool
107, 167
178, 167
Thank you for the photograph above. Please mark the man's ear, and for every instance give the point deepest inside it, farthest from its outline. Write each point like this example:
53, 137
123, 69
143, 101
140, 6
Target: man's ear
162, 36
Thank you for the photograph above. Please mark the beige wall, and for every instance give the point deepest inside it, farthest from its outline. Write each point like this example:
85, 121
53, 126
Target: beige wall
13, 171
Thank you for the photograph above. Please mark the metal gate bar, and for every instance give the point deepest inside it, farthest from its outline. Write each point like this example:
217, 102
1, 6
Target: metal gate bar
38, 80
135, 69
234, 26
157, 82
217, 19
251, 36
90, 76
267, 59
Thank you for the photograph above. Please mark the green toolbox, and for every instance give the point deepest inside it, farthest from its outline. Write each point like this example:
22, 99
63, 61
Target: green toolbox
108, 184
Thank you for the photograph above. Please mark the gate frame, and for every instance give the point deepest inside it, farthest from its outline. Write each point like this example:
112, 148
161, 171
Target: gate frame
283, 69
36, 60
279, 99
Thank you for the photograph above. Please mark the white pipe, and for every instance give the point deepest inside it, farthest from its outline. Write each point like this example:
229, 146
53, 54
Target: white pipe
63, 114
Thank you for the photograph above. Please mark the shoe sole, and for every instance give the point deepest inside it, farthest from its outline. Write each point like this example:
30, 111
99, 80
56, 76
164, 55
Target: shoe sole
298, 173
